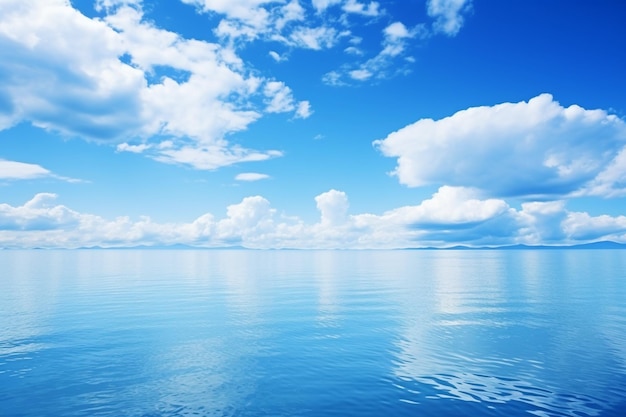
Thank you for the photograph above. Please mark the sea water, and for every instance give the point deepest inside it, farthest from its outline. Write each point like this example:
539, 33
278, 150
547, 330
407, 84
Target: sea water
313, 333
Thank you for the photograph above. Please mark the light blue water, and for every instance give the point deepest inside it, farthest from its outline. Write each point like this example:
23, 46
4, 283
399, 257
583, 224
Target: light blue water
289, 333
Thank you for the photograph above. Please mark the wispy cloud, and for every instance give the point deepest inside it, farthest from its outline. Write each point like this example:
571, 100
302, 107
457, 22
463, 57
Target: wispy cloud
13, 170
394, 55
251, 176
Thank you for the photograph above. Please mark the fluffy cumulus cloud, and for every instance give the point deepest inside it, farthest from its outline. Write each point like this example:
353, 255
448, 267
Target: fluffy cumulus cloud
122, 79
61, 72
453, 215
333, 206
533, 149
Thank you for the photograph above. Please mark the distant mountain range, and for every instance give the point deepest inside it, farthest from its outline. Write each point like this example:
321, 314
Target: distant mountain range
593, 245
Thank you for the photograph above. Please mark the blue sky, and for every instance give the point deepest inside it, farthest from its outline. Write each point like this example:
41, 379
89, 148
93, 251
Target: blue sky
311, 123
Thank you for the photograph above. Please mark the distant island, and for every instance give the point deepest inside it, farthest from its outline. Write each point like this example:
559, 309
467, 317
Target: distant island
178, 246
593, 245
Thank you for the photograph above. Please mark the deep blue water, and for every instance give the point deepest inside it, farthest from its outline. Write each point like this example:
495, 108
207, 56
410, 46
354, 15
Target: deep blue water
308, 333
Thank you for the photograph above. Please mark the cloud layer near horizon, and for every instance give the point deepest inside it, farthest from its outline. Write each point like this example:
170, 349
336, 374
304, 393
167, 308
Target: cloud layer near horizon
453, 215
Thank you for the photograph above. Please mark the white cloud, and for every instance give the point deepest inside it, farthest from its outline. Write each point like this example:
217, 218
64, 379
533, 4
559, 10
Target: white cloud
393, 58
211, 157
611, 181
251, 176
526, 149
109, 4
397, 30
353, 6
394, 45
249, 12
582, 226
448, 15
453, 205
291, 12
333, 206
353, 50
333, 78
21, 171
304, 110
280, 98
541, 222
37, 215
125, 147
121, 79
322, 37
321, 5
276, 56
61, 71
360, 74
453, 215
13, 170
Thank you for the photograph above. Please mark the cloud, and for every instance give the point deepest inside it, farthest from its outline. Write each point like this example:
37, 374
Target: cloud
317, 38
393, 58
333, 206
321, 5
448, 15
210, 157
452, 206
276, 56
353, 6
303, 110
125, 147
61, 72
13, 170
542, 221
353, 50
123, 80
611, 181
280, 98
397, 30
453, 215
37, 215
360, 74
528, 149
582, 226
251, 176
249, 12
394, 45
120, 79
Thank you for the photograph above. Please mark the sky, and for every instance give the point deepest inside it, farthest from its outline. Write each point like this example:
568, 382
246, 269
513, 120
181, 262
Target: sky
312, 124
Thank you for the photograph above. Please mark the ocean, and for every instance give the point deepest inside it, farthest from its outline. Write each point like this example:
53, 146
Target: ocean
156, 333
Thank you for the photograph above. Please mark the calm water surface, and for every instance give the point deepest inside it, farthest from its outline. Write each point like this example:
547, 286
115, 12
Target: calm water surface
290, 333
